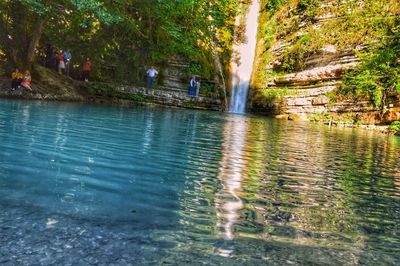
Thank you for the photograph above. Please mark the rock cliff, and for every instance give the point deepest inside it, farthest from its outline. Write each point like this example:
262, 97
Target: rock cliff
301, 63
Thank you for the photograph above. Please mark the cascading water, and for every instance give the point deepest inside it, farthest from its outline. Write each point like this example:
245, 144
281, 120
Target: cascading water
243, 58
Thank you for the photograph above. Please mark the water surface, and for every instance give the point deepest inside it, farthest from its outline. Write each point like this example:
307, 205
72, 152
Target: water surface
150, 186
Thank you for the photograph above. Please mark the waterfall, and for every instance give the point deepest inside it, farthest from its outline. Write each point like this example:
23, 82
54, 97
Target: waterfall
244, 49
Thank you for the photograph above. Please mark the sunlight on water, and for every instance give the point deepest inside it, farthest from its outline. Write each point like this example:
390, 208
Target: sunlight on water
228, 202
146, 186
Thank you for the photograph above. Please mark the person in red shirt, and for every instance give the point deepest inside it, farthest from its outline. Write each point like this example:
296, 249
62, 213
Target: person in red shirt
61, 63
87, 66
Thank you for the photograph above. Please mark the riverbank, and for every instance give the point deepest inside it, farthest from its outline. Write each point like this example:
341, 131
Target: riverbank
51, 86
385, 129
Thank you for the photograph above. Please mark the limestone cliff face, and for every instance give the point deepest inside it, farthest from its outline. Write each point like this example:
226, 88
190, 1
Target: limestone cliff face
300, 74
176, 74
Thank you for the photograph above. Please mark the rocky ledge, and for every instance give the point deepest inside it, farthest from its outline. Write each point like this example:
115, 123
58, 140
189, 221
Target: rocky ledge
49, 85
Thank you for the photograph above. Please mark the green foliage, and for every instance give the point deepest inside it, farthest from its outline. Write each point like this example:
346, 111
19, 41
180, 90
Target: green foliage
195, 68
276, 94
87, 9
292, 30
378, 74
38, 7
317, 117
333, 96
273, 5
395, 127
207, 89
354, 25
188, 27
137, 98
103, 90
309, 6
122, 37
295, 55
107, 90
23, 23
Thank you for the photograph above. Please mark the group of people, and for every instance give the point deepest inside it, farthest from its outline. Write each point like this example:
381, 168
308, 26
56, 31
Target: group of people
21, 80
59, 60
194, 83
62, 61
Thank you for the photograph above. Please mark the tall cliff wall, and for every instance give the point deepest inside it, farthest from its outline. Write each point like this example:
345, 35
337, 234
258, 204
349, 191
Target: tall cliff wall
305, 48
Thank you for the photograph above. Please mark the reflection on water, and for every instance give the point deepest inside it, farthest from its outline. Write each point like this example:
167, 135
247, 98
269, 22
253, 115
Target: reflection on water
228, 203
89, 184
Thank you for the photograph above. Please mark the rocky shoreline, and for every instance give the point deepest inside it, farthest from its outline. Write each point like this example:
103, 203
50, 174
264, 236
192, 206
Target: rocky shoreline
50, 86
380, 128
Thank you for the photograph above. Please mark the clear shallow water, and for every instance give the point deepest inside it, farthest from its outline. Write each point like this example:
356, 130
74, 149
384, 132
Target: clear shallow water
146, 186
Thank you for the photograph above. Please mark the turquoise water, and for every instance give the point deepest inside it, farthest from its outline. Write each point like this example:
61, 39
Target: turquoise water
106, 185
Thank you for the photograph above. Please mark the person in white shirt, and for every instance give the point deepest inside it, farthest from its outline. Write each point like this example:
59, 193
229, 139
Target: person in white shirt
67, 61
151, 76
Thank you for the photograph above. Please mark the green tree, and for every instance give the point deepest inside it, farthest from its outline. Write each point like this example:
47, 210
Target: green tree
22, 22
120, 36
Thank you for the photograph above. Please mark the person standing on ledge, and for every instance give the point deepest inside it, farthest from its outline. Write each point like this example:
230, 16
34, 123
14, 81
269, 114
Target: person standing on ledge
67, 61
197, 86
61, 62
87, 66
151, 76
192, 86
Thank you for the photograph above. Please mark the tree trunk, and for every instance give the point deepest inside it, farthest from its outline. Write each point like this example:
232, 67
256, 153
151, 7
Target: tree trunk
7, 44
34, 42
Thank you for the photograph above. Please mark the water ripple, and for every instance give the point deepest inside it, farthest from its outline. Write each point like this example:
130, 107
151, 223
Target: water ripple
227, 189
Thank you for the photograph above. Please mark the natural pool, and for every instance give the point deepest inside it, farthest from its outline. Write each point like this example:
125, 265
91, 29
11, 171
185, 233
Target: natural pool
106, 185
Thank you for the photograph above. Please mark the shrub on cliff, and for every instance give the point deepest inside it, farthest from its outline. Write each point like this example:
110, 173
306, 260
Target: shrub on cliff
395, 127
379, 72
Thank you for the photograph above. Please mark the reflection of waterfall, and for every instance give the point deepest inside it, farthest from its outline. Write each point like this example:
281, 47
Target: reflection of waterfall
228, 203
148, 133
243, 58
